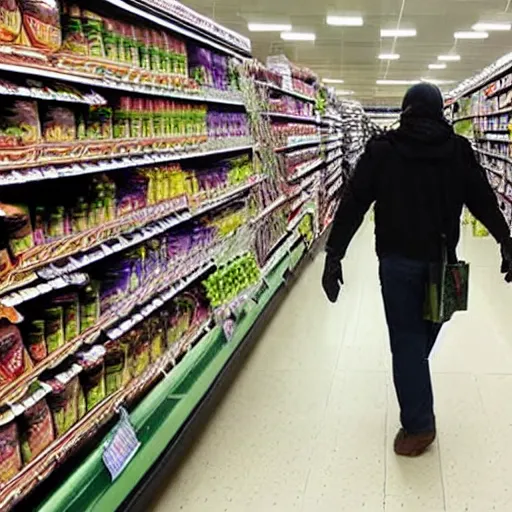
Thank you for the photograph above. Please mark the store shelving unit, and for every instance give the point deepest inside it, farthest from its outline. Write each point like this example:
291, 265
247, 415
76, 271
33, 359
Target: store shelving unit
481, 110
149, 169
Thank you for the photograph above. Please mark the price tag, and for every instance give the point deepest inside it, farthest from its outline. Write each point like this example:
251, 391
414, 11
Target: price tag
121, 448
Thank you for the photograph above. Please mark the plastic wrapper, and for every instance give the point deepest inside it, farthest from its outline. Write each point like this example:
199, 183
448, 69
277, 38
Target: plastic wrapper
58, 124
16, 220
10, 453
41, 20
74, 40
66, 400
35, 340
36, 429
115, 366
92, 376
54, 327
14, 359
10, 21
19, 123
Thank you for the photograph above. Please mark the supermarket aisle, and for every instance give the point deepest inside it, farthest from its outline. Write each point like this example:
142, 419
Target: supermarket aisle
309, 423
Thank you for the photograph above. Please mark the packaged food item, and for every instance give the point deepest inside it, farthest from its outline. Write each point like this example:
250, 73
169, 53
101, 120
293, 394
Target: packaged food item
54, 328
58, 124
35, 340
19, 122
16, 220
66, 400
41, 19
99, 122
36, 430
157, 336
14, 360
10, 453
115, 366
93, 29
56, 227
10, 21
89, 306
141, 352
92, 377
70, 312
74, 40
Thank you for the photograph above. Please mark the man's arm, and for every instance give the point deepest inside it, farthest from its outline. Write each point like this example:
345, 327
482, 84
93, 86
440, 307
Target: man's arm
357, 196
482, 201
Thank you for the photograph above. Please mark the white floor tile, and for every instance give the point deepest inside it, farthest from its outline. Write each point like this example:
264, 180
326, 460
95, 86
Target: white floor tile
309, 423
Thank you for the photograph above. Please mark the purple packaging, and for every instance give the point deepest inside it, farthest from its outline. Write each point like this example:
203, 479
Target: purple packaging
115, 285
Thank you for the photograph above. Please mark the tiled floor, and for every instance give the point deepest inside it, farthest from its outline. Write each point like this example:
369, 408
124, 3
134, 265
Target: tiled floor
308, 424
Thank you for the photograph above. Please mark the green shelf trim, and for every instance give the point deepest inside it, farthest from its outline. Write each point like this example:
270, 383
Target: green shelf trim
160, 415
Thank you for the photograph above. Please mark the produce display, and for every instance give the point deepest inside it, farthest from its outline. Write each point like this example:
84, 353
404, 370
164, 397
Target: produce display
150, 186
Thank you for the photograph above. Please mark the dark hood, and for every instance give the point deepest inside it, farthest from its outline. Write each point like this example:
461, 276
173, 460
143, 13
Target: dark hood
424, 132
423, 138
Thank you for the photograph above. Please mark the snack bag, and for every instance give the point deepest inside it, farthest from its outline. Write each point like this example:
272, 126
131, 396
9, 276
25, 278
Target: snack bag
19, 122
65, 399
16, 219
41, 20
74, 40
10, 454
34, 422
92, 377
14, 359
10, 21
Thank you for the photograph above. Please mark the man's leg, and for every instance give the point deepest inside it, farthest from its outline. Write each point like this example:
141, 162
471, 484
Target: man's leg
403, 289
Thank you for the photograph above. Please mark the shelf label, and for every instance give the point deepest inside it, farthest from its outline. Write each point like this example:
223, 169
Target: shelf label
122, 447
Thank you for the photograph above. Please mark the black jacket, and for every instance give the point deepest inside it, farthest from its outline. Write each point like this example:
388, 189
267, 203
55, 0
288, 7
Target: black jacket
419, 177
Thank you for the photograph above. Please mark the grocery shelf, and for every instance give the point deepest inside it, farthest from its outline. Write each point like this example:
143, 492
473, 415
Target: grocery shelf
295, 145
166, 419
489, 114
158, 220
177, 14
93, 165
291, 117
201, 96
287, 91
494, 155
305, 169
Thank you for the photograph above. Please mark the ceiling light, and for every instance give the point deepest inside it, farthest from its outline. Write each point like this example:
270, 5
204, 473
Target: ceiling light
333, 81
268, 27
397, 82
345, 21
492, 26
437, 82
437, 66
471, 35
298, 36
389, 56
449, 58
341, 92
401, 32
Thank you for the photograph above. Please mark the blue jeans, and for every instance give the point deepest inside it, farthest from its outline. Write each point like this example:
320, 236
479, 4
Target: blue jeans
403, 283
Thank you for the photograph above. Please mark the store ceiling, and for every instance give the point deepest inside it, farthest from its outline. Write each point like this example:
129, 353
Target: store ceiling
351, 53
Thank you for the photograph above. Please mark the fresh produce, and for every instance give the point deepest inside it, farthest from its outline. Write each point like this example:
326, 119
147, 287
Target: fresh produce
229, 281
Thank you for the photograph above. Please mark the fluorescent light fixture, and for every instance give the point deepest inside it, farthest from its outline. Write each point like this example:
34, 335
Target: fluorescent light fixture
269, 27
437, 66
449, 58
333, 81
400, 32
340, 92
437, 82
471, 35
298, 36
397, 82
389, 56
489, 26
345, 21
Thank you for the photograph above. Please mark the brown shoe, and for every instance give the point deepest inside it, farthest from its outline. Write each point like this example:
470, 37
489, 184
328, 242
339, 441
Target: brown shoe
413, 445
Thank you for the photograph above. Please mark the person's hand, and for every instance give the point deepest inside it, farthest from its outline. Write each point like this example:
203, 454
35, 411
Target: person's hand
506, 260
332, 278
